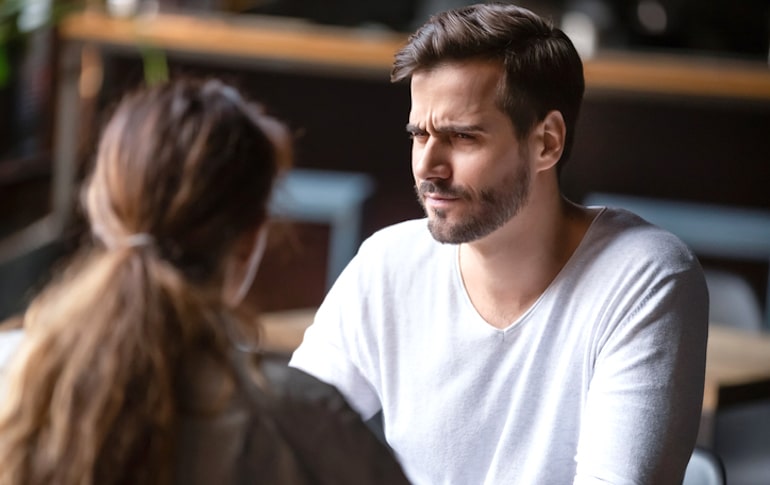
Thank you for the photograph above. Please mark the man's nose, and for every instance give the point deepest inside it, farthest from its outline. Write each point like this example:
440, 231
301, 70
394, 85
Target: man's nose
430, 160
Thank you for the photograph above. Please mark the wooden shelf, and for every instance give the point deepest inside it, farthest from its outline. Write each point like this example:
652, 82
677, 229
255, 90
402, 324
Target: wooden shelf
255, 38
295, 43
679, 75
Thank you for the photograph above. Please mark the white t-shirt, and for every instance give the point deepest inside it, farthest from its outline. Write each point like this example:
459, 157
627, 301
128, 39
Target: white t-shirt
10, 341
600, 381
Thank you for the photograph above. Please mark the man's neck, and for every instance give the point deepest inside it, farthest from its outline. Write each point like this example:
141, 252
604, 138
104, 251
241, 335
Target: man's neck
507, 271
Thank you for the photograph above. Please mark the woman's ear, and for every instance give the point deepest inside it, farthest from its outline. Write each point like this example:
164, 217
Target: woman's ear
242, 263
244, 245
552, 132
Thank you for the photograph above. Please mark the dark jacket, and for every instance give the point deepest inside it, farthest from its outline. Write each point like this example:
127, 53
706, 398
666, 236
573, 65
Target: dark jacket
283, 427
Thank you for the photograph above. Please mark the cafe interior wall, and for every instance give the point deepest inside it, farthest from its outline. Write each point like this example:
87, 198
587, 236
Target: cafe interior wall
694, 149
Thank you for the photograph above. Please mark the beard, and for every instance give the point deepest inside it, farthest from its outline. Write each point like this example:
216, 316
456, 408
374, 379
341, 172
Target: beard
489, 210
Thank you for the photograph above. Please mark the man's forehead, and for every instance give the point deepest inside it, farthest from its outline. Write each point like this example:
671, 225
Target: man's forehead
464, 93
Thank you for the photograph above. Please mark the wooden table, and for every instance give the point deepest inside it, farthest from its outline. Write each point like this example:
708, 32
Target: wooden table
283, 331
737, 362
737, 367
737, 372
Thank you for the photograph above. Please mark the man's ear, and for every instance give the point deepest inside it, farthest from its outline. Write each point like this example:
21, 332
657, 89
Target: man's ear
551, 133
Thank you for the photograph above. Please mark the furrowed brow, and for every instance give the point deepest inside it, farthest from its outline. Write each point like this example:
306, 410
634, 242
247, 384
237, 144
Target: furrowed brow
412, 128
449, 129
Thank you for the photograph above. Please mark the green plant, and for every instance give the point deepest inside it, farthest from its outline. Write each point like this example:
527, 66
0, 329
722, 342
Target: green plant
10, 10
19, 18
155, 65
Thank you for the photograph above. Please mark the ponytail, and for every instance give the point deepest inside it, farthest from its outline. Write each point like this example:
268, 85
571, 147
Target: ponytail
91, 398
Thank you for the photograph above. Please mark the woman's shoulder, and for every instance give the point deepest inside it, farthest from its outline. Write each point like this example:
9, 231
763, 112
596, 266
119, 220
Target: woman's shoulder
288, 383
328, 436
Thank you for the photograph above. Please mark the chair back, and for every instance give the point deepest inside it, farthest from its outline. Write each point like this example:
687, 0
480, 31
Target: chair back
704, 468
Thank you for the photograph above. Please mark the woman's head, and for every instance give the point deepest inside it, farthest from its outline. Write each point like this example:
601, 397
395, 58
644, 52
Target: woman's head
190, 164
543, 71
179, 192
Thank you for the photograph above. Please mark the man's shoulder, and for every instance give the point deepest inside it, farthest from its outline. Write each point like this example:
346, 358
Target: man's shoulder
621, 233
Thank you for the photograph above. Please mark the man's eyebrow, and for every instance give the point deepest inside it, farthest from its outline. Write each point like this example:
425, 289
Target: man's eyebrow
412, 128
460, 129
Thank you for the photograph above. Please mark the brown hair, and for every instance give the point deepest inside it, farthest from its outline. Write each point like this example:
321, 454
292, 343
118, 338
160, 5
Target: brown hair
543, 71
189, 166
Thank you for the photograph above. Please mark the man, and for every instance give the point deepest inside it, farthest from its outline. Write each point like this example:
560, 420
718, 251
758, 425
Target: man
521, 338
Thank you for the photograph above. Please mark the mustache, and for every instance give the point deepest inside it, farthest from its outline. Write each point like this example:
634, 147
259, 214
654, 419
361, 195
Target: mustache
441, 189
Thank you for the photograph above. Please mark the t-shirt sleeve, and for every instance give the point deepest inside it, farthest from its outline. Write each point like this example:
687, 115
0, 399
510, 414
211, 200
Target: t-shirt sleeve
643, 406
330, 349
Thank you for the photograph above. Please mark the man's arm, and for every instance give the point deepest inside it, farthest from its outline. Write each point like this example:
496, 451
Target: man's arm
332, 346
643, 407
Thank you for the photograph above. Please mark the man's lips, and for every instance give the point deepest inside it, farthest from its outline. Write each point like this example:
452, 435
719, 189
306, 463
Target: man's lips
438, 200
438, 196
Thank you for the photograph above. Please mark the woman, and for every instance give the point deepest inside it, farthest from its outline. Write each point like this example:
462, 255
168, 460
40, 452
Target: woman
135, 367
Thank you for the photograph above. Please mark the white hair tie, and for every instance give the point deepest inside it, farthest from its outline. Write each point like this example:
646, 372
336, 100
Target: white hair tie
138, 240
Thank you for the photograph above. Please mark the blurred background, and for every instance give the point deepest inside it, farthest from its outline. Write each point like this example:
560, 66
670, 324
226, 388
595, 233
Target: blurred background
676, 122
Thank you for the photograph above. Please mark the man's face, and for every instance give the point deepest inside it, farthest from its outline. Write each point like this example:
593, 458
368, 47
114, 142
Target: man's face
471, 173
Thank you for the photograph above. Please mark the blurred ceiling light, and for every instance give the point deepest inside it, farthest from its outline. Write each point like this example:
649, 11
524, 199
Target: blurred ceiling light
652, 16
582, 31
34, 14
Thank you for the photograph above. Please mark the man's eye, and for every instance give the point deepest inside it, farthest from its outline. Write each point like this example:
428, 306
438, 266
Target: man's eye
464, 136
417, 135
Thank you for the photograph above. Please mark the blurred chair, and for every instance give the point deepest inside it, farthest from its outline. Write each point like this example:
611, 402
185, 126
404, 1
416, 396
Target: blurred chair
329, 197
733, 301
742, 439
26, 258
704, 468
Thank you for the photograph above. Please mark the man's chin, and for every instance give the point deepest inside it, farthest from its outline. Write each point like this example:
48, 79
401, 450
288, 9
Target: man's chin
441, 230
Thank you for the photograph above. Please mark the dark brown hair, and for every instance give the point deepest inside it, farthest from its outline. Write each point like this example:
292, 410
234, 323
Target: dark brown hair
189, 167
543, 71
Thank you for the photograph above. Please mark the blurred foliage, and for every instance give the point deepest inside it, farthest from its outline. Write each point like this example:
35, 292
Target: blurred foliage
19, 18
155, 65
